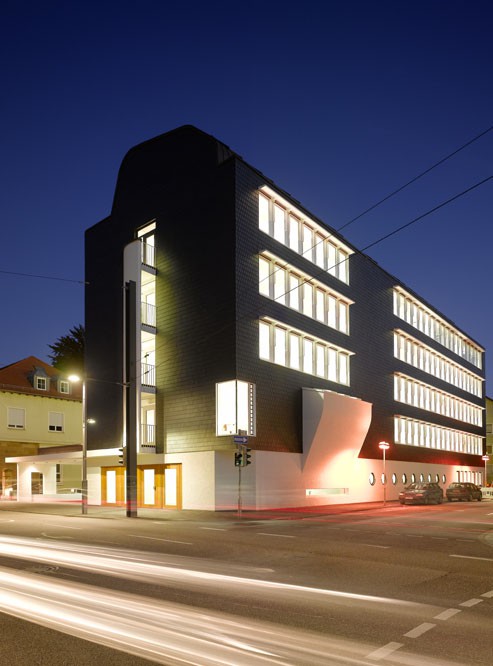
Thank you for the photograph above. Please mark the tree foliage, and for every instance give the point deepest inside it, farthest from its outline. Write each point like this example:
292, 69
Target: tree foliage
68, 351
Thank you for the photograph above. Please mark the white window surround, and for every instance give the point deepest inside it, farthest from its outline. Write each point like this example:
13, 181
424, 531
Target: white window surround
64, 386
16, 418
413, 351
415, 313
285, 284
288, 225
295, 349
418, 394
431, 436
41, 383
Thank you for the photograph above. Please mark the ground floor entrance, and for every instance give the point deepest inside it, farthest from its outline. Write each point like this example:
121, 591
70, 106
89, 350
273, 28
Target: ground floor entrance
158, 486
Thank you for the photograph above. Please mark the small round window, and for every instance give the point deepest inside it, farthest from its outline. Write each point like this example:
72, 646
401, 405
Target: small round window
421, 478
383, 479
394, 479
437, 478
413, 478
404, 478
429, 478
444, 478
371, 479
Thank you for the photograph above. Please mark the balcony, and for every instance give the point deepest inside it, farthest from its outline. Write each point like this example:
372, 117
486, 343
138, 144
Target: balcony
148, 254
147, 435
147, 374
148, 314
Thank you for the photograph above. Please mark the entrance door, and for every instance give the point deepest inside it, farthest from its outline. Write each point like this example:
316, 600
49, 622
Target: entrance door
112, 486
36, 483
172, 486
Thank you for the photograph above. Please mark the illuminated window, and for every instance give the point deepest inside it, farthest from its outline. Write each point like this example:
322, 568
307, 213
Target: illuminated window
426, 397
371, 479
394, 479
404, 478
295, 289
282, 221
408, 308
413, 478
299, 351
410, 350
429, 435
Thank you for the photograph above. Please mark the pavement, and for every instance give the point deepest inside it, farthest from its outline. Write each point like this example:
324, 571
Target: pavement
74, 509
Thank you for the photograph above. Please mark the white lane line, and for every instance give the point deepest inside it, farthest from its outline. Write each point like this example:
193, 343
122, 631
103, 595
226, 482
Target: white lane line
420, 630
384, 651
215, 529
63, 527
488, 595
373, 545
284, 536
466, 540
471, 557
471, 602
416, 536
7, 520
48, 536
447, 613
138, 536
441, 538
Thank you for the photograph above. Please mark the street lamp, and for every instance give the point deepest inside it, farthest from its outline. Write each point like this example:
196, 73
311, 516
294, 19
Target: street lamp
486, 459
384, 446
85, 421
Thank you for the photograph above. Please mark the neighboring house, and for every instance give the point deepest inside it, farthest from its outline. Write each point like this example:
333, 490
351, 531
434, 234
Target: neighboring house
244, 314
41, 417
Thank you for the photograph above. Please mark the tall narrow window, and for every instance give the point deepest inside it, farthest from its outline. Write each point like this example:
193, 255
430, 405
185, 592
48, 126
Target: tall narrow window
264, 341
294, 234
263, 276
263, 221
279, 228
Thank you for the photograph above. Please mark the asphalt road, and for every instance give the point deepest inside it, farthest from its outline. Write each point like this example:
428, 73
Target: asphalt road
384, 585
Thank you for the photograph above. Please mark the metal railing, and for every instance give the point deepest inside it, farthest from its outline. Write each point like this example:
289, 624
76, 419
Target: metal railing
148, 314
148, 254
148, 374
147, 434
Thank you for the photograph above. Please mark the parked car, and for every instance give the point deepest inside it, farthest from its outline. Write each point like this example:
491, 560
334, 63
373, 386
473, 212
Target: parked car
464, 491
421, 493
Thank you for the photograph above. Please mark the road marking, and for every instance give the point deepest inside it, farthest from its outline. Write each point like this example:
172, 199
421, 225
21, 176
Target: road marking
488, 595
442, 538
54, 537
416, 536
64, 527
384, 651
447, 613
284, 536
373, 545
7, 520
420, 630
138, 536
216, 529
471, 602
466, 540
471, 557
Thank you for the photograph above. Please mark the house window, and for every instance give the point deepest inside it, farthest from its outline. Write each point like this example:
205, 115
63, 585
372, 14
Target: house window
55, 421
41, 383
64, 386
17, 418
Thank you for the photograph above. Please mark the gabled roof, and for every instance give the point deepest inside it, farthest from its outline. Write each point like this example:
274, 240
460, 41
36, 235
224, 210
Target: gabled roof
18, 377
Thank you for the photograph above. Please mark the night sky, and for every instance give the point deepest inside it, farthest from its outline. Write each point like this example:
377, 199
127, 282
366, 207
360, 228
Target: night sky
340, 103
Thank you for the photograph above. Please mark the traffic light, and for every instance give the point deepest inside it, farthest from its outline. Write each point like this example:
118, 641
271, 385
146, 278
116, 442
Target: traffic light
238, 459
247, 454
121, 455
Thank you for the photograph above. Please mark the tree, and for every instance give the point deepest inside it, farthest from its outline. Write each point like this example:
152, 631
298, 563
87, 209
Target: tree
68, 351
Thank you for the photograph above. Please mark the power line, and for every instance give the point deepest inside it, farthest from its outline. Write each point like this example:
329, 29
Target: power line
413, 180
43, 277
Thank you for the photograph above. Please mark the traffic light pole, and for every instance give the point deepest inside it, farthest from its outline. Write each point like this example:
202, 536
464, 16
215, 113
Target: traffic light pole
239, 492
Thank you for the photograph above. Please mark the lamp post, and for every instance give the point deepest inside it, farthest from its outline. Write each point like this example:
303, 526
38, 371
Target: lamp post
384, 446
76, 378
486, 459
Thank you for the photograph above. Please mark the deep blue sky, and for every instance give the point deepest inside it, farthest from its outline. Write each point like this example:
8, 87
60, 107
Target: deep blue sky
340, 103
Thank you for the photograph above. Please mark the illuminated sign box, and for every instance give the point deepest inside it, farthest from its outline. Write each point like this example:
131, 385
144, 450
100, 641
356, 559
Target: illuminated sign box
235, 408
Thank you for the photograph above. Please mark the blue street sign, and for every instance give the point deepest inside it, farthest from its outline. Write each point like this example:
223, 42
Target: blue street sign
240, 439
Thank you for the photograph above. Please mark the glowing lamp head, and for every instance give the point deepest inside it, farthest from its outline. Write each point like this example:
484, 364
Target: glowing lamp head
384, 446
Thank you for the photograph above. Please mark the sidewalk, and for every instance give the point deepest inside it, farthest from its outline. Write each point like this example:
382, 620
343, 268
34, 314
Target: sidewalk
74, 509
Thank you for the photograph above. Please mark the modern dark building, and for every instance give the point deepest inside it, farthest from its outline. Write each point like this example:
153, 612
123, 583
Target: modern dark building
218, 306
